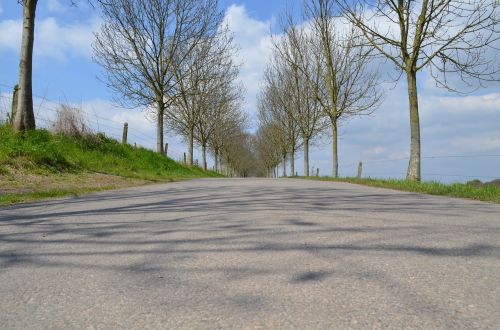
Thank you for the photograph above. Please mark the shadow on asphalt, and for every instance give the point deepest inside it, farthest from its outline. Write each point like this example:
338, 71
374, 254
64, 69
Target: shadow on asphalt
222, 233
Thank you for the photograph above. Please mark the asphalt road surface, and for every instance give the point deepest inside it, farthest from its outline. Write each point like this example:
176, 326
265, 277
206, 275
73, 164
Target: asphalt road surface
254, 253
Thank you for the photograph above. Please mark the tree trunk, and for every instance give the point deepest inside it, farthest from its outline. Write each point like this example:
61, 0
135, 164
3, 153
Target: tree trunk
204, 154
306, 157
190, 146
216, 159
159, 125
414, 163
25, 117
15, 98
292, 161
284, 165
335, 161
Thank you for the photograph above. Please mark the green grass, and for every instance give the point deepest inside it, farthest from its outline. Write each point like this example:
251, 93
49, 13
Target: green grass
44, 154
487, 193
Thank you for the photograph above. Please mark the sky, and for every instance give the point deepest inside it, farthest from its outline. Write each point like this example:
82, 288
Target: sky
460, 132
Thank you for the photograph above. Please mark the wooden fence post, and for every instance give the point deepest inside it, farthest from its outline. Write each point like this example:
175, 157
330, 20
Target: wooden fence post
125, 133
184, 158
14, 104
360, 170
317, 172
166, 149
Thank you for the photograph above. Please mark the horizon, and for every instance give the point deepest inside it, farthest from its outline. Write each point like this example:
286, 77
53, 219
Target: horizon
454, 147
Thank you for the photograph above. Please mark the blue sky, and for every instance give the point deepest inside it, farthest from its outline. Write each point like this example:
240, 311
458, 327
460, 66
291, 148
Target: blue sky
452, 125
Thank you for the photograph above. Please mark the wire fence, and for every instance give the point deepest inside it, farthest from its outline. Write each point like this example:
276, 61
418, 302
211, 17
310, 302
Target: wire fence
486, 167
46, 111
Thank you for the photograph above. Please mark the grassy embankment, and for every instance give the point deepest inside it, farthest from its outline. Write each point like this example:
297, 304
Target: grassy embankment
474, 190
39, 164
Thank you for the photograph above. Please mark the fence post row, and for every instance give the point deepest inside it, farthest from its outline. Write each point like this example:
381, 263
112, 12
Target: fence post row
125, 133
14, 104
360, 170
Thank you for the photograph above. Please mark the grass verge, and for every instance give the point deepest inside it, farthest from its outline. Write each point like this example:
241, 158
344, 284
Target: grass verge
487, 193
38, 164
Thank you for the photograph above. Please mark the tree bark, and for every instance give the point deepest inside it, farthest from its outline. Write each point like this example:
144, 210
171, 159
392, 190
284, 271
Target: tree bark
159, 126
335, 160
292, 160
25, 117
15, 98
306, 157
216, 159
284, 165
204, 154
414, 163
190, 146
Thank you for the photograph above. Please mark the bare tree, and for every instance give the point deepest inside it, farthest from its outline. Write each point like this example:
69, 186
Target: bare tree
448, 37
276, 106
223, 131
24, 118
218, 109
268, 153
346, 85
205, 91
299, 66
143, 45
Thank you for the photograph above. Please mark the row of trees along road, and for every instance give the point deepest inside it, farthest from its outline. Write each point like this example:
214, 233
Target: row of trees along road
170, 57
319, 73
327, 63
173, 57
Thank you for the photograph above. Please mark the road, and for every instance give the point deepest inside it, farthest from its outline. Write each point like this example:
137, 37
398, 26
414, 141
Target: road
254, 253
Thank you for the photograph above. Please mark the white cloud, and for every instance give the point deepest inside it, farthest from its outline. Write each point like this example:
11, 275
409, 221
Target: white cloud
52, 39
55, 6
10, 35
254, 41
374, 151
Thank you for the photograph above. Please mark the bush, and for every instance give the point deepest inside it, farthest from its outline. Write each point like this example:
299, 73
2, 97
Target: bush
71, 121
475, 183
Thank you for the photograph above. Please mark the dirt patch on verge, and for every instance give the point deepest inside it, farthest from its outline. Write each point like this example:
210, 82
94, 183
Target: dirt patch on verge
18, 182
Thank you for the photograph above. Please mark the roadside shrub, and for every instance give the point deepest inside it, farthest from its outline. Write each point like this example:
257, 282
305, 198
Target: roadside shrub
475, 183
71, 121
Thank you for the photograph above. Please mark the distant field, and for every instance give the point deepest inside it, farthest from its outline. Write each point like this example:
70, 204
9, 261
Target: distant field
474, 190
39, 164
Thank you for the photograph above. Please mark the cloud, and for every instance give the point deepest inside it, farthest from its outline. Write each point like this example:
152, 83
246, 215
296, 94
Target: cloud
55, 6
374, 151
52, 39
254, 41
10, 35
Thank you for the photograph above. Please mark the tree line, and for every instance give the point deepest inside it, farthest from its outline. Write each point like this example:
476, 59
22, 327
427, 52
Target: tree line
324, 69
176, 59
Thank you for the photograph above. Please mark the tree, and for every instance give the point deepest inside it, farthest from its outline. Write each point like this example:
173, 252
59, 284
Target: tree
268, 153
144, 44
346, 86
278, 106
205, 91
24, 118
223, 131
298, 65
217, 109
447, 37
276, 109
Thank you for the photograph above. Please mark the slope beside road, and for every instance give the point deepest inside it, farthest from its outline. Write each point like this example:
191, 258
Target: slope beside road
250, 253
